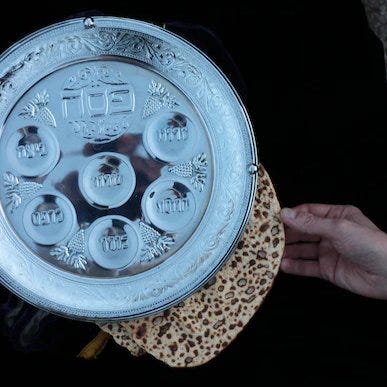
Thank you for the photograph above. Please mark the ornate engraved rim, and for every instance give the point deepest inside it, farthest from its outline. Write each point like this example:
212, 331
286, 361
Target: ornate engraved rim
234, 180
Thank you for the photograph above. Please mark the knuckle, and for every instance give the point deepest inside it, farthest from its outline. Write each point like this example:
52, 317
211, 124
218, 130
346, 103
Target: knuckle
341, 226
350, 209
307, 219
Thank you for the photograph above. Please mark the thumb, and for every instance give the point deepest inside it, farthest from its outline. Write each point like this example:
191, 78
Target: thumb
309, 223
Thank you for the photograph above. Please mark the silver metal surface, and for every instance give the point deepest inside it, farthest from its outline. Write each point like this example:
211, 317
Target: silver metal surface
127, 166
107, 180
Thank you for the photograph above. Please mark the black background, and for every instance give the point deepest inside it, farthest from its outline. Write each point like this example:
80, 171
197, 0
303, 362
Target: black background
314, 85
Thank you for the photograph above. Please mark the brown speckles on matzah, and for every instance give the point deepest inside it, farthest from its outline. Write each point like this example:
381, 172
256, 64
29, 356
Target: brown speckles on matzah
195, 331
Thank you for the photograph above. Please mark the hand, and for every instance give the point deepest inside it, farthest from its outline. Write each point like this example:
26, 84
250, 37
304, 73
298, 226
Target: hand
336, 243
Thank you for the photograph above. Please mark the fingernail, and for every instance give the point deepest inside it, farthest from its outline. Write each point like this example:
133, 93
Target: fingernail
288, 213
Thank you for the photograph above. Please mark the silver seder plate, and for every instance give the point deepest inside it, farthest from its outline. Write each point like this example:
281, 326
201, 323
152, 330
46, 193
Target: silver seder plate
127, 167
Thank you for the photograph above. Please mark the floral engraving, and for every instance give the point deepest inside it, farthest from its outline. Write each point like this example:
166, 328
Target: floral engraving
37, 110
94, 77
108, 116
196, 169
155, 243
159, 98
17, 191
101, 130
72, 254
130, 44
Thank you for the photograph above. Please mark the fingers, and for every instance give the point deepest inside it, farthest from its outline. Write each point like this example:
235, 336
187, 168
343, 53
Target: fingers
309, 224
317, 209
301, 250
328, 210
293, 236
301, 267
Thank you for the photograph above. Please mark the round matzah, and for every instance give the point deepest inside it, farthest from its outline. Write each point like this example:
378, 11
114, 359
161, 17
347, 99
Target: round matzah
196, 330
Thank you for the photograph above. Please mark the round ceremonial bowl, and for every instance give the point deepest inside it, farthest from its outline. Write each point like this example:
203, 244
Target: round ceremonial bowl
128, 168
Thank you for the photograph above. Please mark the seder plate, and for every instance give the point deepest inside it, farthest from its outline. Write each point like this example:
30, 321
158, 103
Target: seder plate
128, 168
